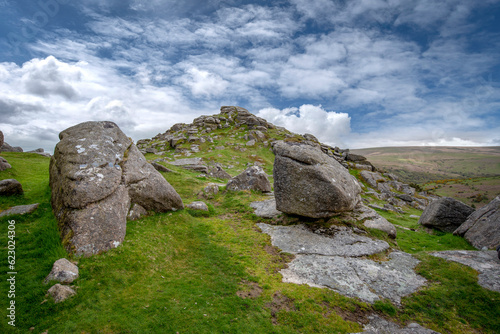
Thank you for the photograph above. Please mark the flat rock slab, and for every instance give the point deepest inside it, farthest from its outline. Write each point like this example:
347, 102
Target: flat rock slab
266, 209
333, 262
378, 325
297, 239
353, 277
19, 210
485, 262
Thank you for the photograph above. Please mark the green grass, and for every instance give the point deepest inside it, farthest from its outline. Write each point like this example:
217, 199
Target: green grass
181, 271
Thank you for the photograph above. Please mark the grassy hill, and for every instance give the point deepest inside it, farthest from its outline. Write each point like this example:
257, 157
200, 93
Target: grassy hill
191, 272
469, 174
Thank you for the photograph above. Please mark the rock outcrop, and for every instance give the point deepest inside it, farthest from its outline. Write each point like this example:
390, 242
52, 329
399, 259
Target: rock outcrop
253, 178
331, 259
1, 138
7, 148
482, 228
308, 182
485, 262
445, 214
10, 187
96, 173
195, 164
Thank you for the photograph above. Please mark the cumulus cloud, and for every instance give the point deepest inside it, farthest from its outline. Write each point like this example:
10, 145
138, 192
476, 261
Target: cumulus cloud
329, 127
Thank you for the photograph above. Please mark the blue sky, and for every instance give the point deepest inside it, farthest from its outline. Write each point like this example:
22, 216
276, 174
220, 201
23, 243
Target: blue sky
357, 73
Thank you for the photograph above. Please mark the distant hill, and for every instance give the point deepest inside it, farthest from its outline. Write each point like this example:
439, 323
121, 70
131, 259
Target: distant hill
469, 174
423, 164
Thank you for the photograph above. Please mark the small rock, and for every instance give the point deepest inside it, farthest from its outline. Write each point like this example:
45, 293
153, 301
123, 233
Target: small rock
10, 187
161, 168
19, 210
253, 178
250, 142
136, 212
61, 292
62, 271
197, 206
4, 164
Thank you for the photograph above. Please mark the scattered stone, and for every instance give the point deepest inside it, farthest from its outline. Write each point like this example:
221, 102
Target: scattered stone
266, 209
253, 178
250, 143
482, 228
219, 173
10, 187
62, 271
372, 178
61, 292
485, 262
445, 214
136, 212
4, 164
95, 174
195, 164
382, 224
161, 168
19, 210
209, 191
415, 216
378, 325
197, 206
303, 175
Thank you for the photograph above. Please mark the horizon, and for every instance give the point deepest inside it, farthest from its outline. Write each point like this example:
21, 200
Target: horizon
362, 74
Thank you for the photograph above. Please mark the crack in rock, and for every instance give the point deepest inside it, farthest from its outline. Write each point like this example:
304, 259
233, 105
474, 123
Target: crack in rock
334, 262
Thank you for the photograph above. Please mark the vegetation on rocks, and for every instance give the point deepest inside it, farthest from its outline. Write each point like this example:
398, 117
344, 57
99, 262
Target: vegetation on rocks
214, 271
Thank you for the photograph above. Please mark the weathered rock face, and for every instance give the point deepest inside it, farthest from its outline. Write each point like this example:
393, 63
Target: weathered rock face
309, 183
482, 228
95, 174
253, 178
10, 187
333, 261
445, 214
485, 262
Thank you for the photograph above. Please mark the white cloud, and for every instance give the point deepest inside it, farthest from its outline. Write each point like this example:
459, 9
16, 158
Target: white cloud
329, 127
203, 82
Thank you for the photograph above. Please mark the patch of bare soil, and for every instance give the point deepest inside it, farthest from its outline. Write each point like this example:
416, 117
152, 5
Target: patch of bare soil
359, 315
250, 290
280, 259
280, 303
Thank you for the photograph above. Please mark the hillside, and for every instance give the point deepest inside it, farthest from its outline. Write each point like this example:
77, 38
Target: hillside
424, 164
214, 271
469, 174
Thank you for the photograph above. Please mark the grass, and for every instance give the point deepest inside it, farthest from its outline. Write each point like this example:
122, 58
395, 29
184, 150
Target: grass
181, 271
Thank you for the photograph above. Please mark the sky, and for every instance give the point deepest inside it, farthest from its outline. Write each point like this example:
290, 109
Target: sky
354, 73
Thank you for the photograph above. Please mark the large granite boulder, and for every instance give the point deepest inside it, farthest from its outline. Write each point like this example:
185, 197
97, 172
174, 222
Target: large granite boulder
309, 183
482, 228
10, 187
96, 173
445, 214
253, 178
